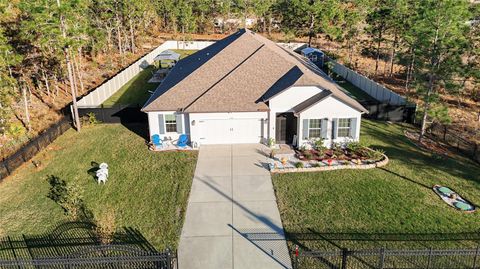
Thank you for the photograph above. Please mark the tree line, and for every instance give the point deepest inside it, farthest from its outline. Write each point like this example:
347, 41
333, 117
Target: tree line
45, 43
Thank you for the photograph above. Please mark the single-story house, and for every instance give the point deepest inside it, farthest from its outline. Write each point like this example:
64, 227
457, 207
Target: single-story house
247, 89
316, 56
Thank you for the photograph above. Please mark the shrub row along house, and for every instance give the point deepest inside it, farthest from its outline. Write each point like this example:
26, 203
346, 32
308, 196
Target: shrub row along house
247, 89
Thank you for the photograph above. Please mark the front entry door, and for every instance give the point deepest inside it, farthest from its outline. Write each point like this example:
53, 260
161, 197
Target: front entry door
286, 128
281, 129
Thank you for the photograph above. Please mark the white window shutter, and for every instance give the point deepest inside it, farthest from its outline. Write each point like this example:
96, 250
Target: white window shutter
161, 124
305, 128
324, 128
353, 128
335, 128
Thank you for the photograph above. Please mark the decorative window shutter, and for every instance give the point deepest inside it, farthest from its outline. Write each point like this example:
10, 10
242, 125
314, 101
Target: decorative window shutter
324, 128
179, 120
305, 128
335, 128
353, 128
161, 124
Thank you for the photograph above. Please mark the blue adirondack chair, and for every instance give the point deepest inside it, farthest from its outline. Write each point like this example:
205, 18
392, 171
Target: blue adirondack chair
182, 141
156, 141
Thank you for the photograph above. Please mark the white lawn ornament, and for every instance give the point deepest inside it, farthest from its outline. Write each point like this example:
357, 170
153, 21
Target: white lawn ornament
102, 173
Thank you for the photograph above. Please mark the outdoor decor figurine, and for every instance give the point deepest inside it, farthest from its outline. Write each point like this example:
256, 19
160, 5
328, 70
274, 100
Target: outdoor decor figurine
102, 173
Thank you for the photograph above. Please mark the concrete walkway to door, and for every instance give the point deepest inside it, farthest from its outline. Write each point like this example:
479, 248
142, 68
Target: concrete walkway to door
232, 217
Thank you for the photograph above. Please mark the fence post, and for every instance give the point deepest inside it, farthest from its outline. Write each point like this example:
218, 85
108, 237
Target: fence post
381, 260
429, 258
344, 258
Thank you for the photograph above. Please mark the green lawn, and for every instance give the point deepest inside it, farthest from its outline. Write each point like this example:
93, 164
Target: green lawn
355, 92
148, 190
136, 91
389, 206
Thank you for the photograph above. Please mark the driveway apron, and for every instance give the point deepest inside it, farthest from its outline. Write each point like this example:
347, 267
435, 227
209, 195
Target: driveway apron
232, 219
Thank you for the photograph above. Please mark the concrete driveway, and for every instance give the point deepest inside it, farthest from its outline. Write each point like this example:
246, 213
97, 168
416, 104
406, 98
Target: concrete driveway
232, 218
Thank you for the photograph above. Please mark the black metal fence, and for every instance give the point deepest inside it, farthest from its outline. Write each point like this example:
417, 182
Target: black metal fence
25, 153
451, 138
107, 256
116, 114
76, 245
388, 259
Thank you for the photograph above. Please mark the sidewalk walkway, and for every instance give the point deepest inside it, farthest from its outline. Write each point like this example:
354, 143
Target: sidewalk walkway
232, 217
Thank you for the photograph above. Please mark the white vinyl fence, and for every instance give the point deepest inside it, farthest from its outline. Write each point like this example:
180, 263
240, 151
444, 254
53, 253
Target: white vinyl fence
369, 86
108, 88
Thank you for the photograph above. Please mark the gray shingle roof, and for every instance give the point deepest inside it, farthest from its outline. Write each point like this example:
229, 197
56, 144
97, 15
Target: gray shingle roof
237, 74
311, 101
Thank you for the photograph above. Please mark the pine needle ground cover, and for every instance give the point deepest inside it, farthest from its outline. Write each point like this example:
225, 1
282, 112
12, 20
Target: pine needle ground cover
146, 190
393, 206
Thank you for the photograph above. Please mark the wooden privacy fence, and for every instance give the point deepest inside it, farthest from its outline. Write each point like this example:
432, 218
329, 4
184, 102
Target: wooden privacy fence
25, 153
372, 88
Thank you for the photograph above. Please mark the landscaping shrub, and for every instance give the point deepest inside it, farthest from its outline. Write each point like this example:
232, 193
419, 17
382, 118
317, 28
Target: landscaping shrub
354, 147
308, 155
375, 155
69, 197
299, 165
271, 142
90, 119
320, 146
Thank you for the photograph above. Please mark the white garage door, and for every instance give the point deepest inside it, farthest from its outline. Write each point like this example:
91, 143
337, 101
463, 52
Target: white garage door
230, 131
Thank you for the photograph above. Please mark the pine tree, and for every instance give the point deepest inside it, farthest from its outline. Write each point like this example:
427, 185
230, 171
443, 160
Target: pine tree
439, 35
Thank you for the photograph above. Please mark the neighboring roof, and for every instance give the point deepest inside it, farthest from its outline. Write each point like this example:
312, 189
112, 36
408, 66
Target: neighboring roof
167, 55
317, 98
238, 74
309, 50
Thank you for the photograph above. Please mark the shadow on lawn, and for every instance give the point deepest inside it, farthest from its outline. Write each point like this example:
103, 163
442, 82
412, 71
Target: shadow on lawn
71, 239
400, 149
140, 129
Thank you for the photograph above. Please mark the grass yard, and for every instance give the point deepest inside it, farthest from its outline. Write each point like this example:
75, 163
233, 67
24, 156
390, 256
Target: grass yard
136, 91
355, 92
393, 206
147, 190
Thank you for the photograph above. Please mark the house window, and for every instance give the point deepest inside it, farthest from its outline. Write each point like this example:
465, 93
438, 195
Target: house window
170, 123
314, 128
344, 126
